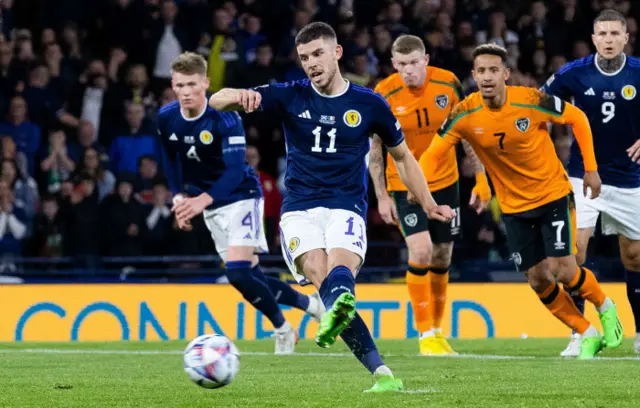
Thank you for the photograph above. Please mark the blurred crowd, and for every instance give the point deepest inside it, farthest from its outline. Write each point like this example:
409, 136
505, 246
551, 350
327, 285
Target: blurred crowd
81, 82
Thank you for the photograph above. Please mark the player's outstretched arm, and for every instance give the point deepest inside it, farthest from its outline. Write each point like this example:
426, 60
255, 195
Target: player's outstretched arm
481, 193
579, 123
230, 99
386, 206
413, 177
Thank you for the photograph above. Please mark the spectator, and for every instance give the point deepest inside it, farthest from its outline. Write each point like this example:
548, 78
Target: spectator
55, 164
25, 134
498, 31
250, 36
48, 229
93, 166
167, 41
358, 72
122, 220
8, 151
13, 225
25, 190
139, 140
262, 70
80, 211
94, 100
147, 174
158, 219
40, 97
8, 75
137, 90
85, 140
272, 197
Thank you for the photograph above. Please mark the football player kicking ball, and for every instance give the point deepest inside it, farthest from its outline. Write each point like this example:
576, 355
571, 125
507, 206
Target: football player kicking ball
421, 97
507, 128
206, 149
327, 124
605, 86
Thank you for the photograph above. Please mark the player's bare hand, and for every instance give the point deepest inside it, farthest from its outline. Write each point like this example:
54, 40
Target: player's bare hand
387, 210
442, 213
592, 181
478, 203
188, 208
411, 199
249, 99
184, 225
634, 152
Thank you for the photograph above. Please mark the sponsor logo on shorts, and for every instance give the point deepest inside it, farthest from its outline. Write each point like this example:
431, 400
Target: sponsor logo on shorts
559, 246
411, 220
516, 258
293, 244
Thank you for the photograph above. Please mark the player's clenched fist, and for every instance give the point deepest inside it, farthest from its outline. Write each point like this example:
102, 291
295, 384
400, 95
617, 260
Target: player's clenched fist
442, 213
249, 99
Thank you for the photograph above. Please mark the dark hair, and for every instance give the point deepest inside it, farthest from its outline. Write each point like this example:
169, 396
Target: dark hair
611, 15
315, 31
491, 49
146, 157
160, 180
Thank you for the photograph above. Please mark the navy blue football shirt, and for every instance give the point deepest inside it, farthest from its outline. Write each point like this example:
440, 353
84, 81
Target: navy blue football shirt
612, 104
207, 154
327, 140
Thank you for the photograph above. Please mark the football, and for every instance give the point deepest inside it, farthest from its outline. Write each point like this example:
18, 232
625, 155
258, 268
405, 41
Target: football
211, 361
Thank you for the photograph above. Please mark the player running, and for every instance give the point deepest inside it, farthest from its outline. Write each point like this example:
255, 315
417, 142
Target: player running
327, 122
507, 128
605, 86
421, 98
207, 150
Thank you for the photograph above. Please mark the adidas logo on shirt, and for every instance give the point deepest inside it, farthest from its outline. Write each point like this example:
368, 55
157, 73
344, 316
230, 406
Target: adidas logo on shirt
305, 115
173, 137
590, 92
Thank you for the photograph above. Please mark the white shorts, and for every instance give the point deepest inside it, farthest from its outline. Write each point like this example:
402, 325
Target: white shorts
320, 228
620, 208
237, 224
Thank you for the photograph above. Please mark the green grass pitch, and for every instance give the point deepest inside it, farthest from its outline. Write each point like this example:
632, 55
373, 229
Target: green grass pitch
489, 373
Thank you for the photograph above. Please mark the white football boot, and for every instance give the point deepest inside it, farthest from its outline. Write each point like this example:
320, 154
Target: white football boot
286, 339
316, 308
573, 348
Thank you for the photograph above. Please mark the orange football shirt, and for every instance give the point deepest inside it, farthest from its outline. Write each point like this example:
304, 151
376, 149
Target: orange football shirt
514, 145
421, 112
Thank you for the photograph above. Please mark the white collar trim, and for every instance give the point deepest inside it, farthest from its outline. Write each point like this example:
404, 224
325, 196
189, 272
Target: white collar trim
344, 91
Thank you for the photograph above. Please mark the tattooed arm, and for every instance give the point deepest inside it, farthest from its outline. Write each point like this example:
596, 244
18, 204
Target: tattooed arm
386, 206
481, 193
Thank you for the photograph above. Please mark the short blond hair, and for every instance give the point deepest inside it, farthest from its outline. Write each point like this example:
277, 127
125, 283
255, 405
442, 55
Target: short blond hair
189, 63
406, 44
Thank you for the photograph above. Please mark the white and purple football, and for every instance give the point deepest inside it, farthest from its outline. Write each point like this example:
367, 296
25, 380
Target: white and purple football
211, 361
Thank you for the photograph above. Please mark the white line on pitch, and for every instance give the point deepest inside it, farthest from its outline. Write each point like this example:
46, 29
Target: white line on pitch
303, 354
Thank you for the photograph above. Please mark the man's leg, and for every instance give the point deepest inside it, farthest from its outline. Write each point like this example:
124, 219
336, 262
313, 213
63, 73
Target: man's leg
582, 240
414, 225
439, 281
237, 242
286, 295
630, 255
558, 233
443, 236
257, 293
